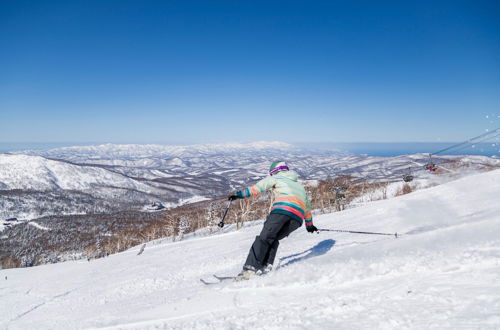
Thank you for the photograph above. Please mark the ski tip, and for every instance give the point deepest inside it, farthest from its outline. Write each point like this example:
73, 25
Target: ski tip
205, 282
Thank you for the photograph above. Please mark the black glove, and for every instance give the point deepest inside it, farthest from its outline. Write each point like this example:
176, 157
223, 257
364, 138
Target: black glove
311, 229
233, 197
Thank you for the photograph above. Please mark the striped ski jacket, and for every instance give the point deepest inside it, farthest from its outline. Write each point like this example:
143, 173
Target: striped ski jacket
289, 196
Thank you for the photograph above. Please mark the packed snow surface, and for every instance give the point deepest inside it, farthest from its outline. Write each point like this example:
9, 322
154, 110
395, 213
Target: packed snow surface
443, 272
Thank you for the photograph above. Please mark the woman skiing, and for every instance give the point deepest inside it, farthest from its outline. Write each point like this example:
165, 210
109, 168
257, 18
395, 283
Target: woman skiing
289, 208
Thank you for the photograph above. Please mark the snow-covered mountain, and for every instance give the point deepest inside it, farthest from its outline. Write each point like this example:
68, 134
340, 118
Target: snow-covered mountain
42, 174
34, 186
443, 272
154, 151
107, 178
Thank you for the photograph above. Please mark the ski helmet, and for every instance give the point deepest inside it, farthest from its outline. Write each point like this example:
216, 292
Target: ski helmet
278, 166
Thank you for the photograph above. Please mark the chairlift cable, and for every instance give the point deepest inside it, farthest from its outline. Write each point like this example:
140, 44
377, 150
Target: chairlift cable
459, 146
483, 140
469, 141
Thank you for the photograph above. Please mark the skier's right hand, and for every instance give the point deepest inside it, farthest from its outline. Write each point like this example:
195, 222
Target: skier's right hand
311, 228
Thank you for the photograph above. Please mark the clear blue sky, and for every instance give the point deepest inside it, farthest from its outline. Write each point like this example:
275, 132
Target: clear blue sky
213, 71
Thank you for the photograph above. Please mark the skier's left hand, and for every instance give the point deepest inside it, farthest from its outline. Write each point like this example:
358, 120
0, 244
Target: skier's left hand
311, 229
232, 197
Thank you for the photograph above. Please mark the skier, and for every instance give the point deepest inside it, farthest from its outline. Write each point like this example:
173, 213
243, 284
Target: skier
289, 208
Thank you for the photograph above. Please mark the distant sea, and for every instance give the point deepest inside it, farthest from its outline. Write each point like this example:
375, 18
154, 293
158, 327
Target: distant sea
359, 148
406, 148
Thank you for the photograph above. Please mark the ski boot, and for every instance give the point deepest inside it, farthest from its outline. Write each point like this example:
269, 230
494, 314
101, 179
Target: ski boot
247, 273
267, 269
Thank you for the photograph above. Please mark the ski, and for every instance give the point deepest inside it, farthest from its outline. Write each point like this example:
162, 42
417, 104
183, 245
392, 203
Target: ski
221, 279
208, 283
224, 278
218, 278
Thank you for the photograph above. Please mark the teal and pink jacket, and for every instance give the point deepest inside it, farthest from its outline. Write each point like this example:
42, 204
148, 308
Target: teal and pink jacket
289, 196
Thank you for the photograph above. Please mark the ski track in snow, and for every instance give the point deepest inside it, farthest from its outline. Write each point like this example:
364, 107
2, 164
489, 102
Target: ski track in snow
443, 272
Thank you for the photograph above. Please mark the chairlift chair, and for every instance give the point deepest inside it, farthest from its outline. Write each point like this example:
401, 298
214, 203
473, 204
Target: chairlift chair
431, 166
408, 177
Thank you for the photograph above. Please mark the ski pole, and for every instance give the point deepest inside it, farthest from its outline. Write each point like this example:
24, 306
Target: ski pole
221, 223
359, 232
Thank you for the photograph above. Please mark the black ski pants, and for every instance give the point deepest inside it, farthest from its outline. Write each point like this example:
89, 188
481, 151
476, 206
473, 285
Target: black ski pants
264, 248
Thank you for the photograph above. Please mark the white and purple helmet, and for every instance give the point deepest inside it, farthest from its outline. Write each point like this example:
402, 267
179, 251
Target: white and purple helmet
278, 166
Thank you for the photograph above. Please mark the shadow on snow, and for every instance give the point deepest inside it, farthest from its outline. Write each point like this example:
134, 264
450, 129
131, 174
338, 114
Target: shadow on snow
319, 249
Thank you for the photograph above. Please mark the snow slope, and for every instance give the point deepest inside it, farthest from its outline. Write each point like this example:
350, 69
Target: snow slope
442, 273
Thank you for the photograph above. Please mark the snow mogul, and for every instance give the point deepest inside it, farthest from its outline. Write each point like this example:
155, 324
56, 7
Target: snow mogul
290, 207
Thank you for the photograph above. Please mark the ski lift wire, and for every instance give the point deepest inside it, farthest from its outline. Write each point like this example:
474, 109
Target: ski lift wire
483, 140
469, 141
487, 139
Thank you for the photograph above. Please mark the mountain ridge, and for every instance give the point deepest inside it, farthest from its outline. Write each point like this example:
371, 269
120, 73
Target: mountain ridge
126, 177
